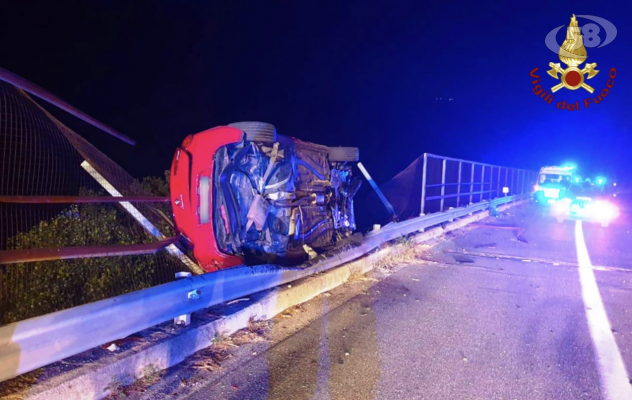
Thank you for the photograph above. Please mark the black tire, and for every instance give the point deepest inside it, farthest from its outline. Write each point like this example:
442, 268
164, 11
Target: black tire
344, 154
257, 131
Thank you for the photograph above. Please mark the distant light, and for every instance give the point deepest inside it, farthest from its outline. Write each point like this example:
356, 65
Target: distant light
614, 184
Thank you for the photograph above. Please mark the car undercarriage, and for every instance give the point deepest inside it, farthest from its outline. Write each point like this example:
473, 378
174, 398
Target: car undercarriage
275, 195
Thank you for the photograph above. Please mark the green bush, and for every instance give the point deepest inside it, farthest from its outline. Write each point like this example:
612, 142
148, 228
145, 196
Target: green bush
32, 289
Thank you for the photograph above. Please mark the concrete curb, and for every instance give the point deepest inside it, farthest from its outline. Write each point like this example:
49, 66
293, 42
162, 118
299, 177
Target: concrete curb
95, 380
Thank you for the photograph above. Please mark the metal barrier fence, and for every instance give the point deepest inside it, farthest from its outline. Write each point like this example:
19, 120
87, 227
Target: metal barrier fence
451, 182
41, 158
33, 343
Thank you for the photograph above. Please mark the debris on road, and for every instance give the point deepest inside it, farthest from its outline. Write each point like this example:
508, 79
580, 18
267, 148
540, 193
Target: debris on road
485, 245
121, 342
462, 259
238, 300
519, 230
113, 347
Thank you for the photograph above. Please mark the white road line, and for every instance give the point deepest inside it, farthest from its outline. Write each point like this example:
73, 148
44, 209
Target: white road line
615, 384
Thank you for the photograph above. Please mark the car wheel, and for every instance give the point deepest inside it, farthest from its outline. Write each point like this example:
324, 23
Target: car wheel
257, 131
344, 154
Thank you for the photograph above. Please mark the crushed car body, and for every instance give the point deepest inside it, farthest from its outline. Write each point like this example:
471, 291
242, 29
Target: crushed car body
244, 194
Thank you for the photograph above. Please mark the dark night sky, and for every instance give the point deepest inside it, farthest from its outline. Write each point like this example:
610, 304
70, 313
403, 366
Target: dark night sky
355, 73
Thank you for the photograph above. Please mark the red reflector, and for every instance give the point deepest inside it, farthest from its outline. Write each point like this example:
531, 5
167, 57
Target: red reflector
187, 141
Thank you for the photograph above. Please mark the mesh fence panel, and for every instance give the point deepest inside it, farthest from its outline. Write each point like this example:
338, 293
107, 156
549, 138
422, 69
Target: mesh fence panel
39, 156
464, 182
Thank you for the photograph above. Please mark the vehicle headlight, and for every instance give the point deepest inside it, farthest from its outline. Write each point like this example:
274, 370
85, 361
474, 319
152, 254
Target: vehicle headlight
605, 211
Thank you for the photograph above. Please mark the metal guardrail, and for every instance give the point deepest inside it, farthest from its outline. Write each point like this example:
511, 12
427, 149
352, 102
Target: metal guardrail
36, 342
444, 179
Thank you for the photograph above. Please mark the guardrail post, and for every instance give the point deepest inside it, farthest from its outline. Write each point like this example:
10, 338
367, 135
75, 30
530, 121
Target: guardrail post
423, 183
458, 185
491, 182
443, 168
184, 319
482, 184
472, 182
498, 184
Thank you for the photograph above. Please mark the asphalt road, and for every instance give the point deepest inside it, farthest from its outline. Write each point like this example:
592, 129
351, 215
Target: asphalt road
481, 316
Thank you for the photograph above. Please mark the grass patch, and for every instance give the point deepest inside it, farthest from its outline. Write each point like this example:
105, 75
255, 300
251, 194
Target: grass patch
406, 252
211, 358
123, 389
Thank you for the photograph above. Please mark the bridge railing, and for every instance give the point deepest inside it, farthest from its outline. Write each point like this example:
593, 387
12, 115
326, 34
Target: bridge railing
36, 342
55, 210
451, 182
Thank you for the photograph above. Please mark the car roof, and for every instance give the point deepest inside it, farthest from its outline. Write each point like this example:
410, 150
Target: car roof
555, 170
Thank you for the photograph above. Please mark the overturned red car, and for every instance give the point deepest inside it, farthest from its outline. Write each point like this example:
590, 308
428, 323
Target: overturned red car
244, 194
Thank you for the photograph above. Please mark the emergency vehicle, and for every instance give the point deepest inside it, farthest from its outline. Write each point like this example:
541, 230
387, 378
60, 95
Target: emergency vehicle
553, 184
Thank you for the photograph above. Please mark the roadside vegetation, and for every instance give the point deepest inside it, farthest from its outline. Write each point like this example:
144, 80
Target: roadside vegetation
32, 289
406, 251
